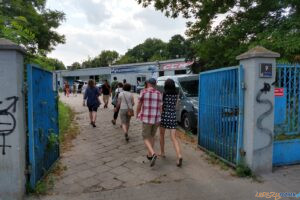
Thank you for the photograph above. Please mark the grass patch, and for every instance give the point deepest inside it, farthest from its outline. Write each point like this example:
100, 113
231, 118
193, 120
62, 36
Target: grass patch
44, 186
283, 136
66, 116
214, 160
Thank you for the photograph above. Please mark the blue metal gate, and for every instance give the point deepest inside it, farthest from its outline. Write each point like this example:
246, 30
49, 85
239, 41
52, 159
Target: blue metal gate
221, 100
287, 105
43, 145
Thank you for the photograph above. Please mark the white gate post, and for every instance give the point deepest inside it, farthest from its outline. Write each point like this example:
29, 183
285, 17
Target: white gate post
260, 68
12, 122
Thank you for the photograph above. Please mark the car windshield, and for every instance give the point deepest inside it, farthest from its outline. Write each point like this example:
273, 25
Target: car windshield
190, 88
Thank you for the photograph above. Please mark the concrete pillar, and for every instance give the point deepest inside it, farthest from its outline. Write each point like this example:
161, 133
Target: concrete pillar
258, 143
12, 122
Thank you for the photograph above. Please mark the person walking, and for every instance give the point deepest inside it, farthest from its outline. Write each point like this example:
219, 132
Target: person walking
114, 86
168, 119
106, 91
115, 102
91, 99
125, 104
149, 112
75, 89
67, 86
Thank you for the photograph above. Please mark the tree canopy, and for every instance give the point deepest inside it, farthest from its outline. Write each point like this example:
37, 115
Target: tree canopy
104, 59
152, 49
272, 24
30, 24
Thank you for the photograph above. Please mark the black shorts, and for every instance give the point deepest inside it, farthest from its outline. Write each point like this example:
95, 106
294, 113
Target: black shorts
93, 108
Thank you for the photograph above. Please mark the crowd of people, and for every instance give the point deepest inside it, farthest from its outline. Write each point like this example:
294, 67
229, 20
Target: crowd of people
154, 109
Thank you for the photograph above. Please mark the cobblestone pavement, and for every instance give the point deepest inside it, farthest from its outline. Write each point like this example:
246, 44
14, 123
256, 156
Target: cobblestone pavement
101, 165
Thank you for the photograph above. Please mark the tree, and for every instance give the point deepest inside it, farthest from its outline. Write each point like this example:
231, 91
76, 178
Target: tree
273, 24
44, 62
104, 59
74, 66
177, 47
151, 49
30, 24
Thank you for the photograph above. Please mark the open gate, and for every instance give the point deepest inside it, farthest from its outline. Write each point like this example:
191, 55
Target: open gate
221, 112
43, 143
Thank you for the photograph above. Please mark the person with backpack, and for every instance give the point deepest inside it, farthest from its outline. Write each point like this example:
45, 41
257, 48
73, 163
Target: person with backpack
125, 104
106, 91
115, 102
114, 86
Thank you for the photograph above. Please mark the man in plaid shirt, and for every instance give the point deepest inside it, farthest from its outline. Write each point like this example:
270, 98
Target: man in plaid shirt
149, 111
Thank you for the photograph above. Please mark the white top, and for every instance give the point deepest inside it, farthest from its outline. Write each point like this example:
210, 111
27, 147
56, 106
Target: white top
119, 90
129, 99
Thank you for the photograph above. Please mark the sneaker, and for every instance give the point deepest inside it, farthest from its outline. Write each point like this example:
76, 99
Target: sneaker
152, 162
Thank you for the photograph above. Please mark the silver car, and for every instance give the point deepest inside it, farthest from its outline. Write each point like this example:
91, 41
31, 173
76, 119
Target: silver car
187, 109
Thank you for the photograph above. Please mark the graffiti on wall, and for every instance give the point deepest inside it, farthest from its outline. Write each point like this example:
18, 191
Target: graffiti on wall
7, 121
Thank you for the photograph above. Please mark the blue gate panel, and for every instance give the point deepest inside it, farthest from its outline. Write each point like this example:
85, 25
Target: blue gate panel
286, 152
288, 77
42, 122
221, 112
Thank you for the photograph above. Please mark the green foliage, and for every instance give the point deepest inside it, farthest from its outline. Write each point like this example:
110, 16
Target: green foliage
44, 62
30, 24
272, 24
151, 50
243, 171
283, 136
65, 118
52, 141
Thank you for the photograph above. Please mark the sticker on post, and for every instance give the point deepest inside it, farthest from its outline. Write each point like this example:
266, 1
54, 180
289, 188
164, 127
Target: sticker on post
266, 70
279, 92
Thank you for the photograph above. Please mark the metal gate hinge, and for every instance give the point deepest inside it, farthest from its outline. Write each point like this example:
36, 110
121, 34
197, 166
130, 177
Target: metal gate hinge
28, 170
242, 152
243, 85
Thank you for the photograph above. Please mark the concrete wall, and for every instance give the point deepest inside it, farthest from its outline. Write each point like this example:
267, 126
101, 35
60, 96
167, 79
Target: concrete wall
12, 161
258, 145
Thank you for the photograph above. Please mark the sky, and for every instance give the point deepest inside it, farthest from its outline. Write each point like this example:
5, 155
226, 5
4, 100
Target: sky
95, 25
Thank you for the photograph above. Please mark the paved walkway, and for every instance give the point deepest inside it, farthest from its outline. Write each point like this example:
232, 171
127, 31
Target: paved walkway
101, 165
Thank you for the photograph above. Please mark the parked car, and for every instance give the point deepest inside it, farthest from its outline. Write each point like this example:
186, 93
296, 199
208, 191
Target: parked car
139, 88
187, 109
79, 85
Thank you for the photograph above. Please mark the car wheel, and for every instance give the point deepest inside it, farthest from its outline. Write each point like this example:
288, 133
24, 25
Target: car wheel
187, 121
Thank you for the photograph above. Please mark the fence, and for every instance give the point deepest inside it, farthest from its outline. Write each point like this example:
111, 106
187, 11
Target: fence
287, 117
221, 112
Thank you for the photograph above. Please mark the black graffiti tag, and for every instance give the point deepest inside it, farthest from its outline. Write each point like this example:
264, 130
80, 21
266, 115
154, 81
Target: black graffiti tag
8, 125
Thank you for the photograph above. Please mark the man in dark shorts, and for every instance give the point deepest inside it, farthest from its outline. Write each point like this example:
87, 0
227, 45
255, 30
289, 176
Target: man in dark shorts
106, 91
149, 111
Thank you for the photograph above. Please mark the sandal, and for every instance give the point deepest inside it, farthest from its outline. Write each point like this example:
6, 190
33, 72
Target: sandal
126, 137
152, 163
149, 157
179, 164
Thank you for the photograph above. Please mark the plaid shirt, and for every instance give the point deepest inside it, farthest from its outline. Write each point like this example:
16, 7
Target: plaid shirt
151, 100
